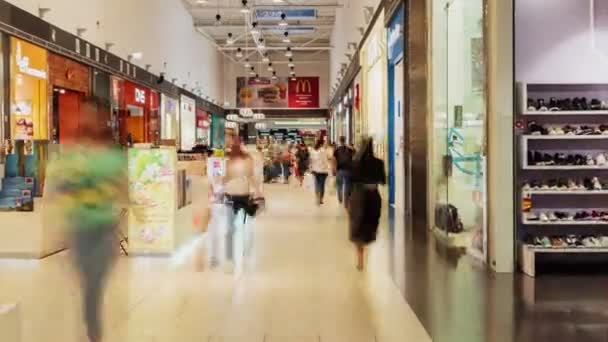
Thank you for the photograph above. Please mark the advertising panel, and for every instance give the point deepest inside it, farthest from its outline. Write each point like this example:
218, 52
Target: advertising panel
152, 199
169, 116
203, 127
263, 92
187, 121
28, 100
303, 92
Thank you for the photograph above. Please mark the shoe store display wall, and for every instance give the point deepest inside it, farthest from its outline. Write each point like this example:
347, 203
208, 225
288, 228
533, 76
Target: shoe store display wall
561, 131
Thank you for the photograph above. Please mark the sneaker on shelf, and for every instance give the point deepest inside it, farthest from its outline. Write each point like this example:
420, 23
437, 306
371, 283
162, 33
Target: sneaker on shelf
558, 242
560, 159
603, 241
572, 185
560, 215
562, 184
552, 217
552, 131
600, 160
604, 105
596, 242
589, 241
590, 160
526, 187
553, 184
588, 184
543, 217
531, 217
542, 241
572, 241
595, 215
535, 185
596, 184
569, 130
604, 216
545, 187
532, 105
595, 104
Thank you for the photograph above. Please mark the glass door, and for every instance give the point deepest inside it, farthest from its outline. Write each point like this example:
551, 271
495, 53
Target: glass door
460, 121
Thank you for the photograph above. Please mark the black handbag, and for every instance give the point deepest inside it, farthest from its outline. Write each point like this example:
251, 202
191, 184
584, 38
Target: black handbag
254, 205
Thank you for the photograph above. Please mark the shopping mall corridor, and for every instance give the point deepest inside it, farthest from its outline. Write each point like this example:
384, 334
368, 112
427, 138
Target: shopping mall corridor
300, 285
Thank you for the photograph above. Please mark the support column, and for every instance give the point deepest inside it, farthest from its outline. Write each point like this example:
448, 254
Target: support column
501, 225
416, 123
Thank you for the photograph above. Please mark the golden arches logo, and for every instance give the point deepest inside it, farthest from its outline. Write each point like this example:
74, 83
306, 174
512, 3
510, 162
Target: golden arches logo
303, 87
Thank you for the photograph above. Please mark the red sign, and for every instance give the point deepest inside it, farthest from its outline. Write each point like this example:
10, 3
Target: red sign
304, 92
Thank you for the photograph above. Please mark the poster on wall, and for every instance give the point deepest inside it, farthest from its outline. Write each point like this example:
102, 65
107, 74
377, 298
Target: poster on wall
28, 101
261, 93
187, 121
152, 198
303, 92
168, 117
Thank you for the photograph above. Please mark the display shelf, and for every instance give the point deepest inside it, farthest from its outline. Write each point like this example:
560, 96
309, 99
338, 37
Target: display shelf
565, 223
565, 192
566, 112
565, 137
565, 167
583, 249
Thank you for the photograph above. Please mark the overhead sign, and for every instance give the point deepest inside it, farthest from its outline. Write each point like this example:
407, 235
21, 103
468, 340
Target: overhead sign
290, 14
303, 92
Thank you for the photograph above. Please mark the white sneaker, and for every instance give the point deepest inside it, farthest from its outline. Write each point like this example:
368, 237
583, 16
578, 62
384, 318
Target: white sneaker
596, 183
553, 131
552, 217
590, 160
526, 187
572, 186
600, 160
543, 217
531, 217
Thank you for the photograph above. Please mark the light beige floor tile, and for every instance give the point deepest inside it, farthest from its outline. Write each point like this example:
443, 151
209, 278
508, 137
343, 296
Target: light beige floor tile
299, 285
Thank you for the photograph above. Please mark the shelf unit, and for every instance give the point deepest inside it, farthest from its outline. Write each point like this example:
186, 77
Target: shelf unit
549, 200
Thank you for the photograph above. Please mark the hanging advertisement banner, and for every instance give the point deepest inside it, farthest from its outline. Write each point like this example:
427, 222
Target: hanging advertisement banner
303, 92
169, 118
28, 88
187, 121
263, 92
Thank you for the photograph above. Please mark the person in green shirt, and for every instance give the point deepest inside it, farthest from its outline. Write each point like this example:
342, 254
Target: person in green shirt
88, 183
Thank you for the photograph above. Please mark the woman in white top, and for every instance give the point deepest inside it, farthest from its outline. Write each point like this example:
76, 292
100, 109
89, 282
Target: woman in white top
320, 167
239, 181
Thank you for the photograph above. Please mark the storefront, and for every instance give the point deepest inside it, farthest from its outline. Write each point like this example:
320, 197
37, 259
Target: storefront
29, 118
457, 175
187, 120
169, 114
218, 130
70, 87
203, 128
101, 91
374, 116
135, 113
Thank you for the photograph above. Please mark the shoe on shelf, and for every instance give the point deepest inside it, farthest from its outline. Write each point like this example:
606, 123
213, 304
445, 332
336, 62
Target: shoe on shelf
596, 183
531, 217
572, 241
553, 184
604, 105
589, 241
572, 185
532, 105
595, 104
603, 241
542, 241
552, 217
542, 106
590, 160
545, 187
558, 242
600, 160
584, 104
543, 217
560, 159
562, 184
535, 185
526, 187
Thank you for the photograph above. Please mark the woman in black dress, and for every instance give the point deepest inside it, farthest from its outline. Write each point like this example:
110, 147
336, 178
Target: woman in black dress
365, 202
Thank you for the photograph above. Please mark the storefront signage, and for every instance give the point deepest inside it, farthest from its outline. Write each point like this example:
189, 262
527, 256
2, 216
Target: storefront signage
23, 63
303, 92
140, 96
395, 39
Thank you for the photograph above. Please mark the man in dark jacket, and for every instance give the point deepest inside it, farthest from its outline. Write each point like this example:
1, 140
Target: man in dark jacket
343, 156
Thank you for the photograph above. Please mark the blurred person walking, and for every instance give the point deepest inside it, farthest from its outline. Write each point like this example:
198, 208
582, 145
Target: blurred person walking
365, 202
87, 184
238, 184
303, 161
286, 161
343, 156
320, 167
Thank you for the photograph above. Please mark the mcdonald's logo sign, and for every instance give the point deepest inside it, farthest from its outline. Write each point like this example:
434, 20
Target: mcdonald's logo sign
303, 87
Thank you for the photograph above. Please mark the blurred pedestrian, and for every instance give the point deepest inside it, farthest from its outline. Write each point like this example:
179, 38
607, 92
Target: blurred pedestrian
343, 156
320, 167
88, 183
239, 182
303, 161
365, 202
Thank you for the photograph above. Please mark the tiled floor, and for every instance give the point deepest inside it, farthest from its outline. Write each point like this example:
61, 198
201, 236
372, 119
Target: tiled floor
300, 285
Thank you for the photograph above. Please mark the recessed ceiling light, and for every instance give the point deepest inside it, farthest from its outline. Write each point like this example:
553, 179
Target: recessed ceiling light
239, 53
230, 40
261, 44
290, 64
288, 53
247, 64
245, 8
254, 28
283, 22
286, 39
270, 67
274, 75
293, 77
265, 59
201, 2
278, 1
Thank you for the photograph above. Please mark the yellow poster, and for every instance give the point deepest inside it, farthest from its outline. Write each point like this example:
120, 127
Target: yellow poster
29, 80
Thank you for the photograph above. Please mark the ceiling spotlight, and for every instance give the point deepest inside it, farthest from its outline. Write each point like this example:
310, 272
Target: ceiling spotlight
247, 64
239, 53
278, 1
283, 22
293, 77
252, 72
286, 39
292, 73
292, 68
288, 53
261, 44
290, 64
257, 76
254, 28
201, 2
230, 40
245, 8
218, 19
274, 75
270, 67
266, 59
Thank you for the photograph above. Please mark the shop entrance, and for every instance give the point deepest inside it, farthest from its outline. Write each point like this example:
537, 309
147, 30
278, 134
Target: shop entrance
66, 115
399, 149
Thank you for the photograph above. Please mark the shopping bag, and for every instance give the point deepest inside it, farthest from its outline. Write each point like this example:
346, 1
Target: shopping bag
309, 181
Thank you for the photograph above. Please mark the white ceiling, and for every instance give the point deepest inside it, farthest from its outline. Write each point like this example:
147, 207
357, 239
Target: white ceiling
308, 46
